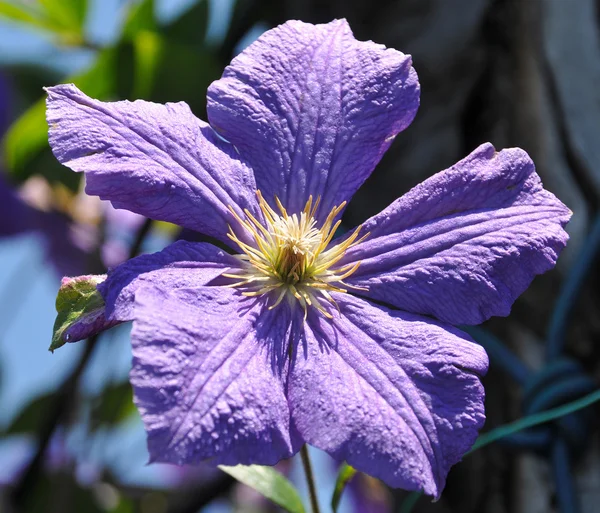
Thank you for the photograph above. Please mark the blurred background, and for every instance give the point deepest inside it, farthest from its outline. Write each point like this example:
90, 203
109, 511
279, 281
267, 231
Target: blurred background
514, 72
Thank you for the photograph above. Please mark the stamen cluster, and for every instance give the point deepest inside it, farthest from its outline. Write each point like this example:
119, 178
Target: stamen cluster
290, 255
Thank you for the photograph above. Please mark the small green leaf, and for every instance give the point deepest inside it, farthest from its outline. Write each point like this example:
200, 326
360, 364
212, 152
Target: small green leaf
344, 475
268, 482
78, 300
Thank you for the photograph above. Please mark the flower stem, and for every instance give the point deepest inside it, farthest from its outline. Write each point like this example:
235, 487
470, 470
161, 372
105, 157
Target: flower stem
312, 490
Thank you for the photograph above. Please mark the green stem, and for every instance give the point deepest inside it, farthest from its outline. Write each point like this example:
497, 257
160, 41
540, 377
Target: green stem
312, 490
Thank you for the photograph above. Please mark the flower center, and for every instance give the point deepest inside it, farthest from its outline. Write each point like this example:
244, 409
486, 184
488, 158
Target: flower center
291, 257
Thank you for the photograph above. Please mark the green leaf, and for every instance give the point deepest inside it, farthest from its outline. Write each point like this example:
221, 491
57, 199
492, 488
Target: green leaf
78, 300
344, 475
99, 80
21, 13
148, 50
60, 491
28, 135
410, 502
268, 482
190, 27
66, 18
139, 18
30, 418
113, 405
195, 69
67, 15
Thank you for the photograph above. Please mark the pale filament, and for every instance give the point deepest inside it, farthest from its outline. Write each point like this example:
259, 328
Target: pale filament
290, 256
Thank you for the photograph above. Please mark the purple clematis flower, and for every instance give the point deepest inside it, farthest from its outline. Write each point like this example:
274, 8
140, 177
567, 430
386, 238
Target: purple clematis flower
346, 343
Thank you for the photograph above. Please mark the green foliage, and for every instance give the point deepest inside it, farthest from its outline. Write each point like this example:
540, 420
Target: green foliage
268, 482
60, 492
190, 28
30, 418
345, 473
28, 135
63, 18
25, 138
148, 50
21, 13
78, 300
68, 15
112, 406
52, 486
139, 19
141, 64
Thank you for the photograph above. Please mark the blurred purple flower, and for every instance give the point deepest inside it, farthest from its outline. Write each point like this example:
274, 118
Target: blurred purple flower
18, 217
369, 495
243, 359
121, 227
68, 242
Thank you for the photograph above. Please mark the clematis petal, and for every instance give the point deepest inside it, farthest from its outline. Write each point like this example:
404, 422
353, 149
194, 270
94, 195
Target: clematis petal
209, 367
464, 244
156, 160
313, 110
182, 264
394, 394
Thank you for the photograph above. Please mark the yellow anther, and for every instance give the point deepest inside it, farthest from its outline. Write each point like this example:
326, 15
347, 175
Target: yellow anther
291, 256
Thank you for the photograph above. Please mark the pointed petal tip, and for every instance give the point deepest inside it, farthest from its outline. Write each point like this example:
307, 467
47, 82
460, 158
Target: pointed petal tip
411, 441
61, 89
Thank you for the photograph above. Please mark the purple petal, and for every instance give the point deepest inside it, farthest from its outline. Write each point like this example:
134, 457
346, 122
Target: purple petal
208, 373
88, 325
156, 160
313, 110
464, 244
394, 394
182, 264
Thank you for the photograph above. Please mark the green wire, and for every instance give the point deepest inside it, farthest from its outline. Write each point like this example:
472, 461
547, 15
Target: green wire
514, 427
